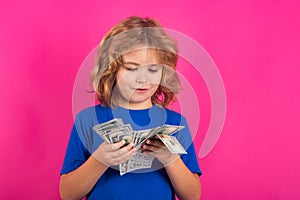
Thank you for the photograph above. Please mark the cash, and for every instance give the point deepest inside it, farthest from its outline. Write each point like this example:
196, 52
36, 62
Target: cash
115, 130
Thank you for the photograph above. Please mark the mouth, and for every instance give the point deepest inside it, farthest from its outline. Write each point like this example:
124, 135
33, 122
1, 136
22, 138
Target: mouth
141, 90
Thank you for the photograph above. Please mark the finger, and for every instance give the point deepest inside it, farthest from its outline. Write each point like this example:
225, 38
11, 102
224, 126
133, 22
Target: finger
148, 147
120, 152
146, 151
127, 147
125, 156
129, 154
155, 142
117, 145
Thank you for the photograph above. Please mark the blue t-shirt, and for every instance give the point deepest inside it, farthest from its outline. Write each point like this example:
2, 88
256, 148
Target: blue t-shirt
145, 184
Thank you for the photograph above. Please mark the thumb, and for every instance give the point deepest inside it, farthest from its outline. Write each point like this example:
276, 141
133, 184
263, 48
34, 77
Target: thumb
117, 145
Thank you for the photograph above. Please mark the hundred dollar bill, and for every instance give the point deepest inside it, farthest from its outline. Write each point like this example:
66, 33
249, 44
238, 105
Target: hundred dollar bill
169, 129
172, 144
115, 130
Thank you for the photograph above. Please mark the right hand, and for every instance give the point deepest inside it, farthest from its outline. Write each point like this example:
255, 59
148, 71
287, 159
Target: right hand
113, 154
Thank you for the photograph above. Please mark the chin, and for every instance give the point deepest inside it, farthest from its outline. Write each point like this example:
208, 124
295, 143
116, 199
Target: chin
141, 101
137, 101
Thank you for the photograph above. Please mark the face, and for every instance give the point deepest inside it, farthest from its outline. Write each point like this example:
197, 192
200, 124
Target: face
138, 79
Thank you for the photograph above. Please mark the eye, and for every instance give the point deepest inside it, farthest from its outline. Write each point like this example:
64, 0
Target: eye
154, 68
130, 68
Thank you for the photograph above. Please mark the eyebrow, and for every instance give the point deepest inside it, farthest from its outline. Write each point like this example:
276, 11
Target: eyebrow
137, 64
131, 63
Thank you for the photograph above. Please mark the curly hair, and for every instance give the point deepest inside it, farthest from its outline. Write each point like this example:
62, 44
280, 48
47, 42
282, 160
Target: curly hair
128, 35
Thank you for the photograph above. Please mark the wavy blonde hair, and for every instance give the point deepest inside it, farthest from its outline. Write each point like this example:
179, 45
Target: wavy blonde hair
128, 35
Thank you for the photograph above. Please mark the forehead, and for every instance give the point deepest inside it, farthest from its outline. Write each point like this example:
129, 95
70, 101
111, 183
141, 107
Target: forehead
141, 56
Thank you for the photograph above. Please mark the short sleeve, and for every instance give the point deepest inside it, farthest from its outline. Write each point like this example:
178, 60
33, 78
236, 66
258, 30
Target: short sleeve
76, 153
185, 139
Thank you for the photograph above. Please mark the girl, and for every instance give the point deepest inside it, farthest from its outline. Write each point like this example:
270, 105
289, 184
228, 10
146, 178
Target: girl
134, 79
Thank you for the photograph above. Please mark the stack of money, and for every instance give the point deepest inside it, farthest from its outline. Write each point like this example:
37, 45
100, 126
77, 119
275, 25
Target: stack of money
115, 130
138, 161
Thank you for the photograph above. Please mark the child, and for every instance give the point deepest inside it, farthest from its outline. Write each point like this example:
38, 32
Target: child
134, 79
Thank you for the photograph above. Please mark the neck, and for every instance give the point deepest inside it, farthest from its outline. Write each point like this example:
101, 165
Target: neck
135, 106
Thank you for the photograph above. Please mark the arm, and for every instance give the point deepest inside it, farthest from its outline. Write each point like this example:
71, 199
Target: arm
185, 183
78, 183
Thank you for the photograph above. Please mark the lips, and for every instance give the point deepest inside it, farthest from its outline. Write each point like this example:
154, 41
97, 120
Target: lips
141, 90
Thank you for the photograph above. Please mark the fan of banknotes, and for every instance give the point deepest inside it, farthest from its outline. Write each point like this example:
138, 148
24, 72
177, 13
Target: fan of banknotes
115, 130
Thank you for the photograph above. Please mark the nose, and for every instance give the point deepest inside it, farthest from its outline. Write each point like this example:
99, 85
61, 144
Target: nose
141, 76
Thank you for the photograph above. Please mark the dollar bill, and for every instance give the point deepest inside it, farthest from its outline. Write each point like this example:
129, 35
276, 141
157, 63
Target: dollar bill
115, 130
172, 143
169, 129
144, 136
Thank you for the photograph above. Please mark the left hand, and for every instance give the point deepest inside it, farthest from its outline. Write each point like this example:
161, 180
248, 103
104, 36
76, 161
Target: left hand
156, 148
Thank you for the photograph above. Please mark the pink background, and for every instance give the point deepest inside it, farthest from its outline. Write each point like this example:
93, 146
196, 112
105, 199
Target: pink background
254, 44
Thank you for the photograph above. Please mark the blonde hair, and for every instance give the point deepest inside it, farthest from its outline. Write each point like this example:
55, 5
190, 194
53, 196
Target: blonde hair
129, 35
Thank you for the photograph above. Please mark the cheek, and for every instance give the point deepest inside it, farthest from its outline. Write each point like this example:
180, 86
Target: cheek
122, 77
156, 78
155, 85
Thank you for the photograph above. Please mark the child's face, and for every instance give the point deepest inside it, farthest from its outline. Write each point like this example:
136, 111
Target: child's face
138, 78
